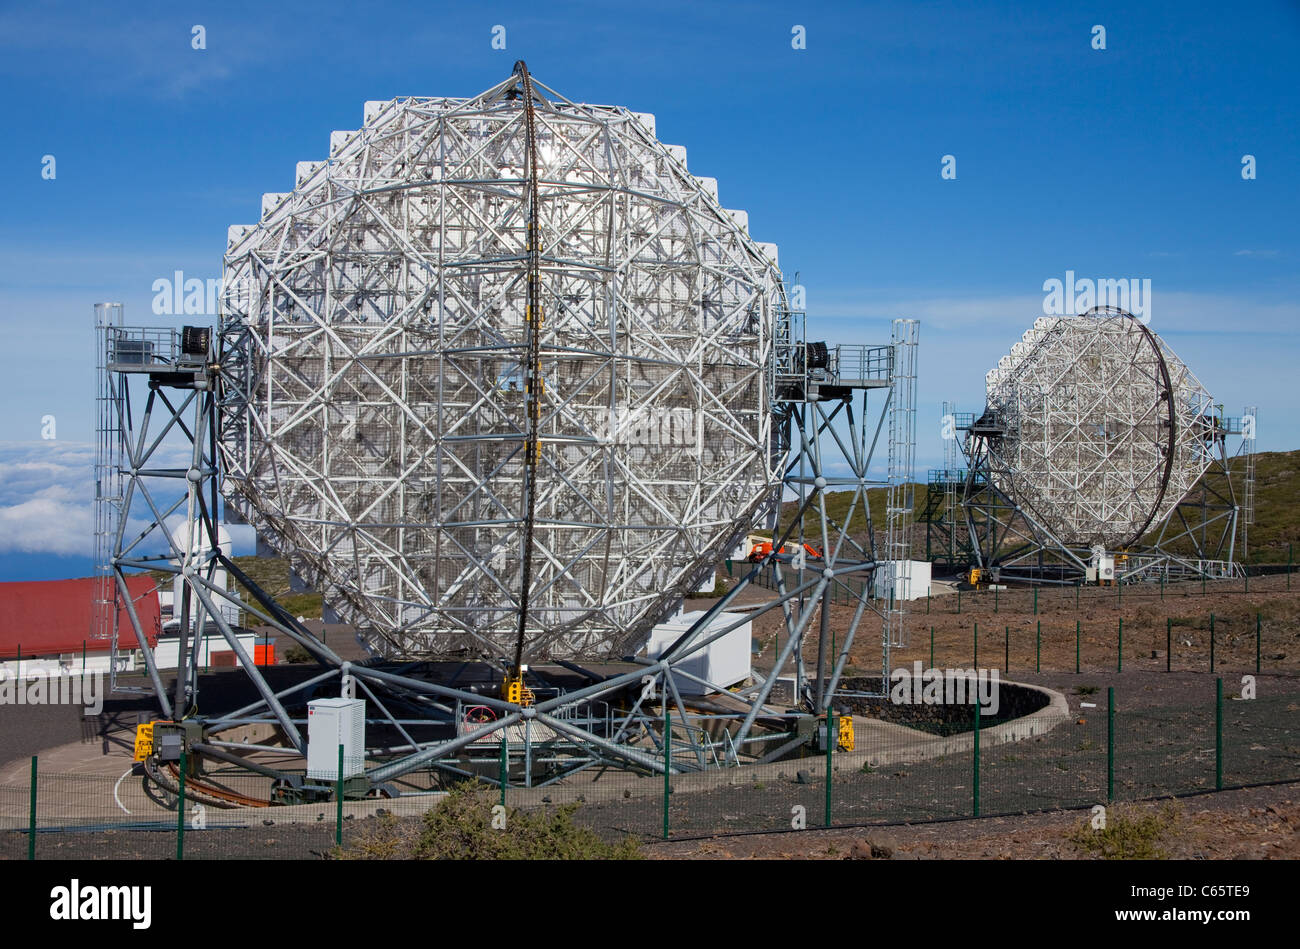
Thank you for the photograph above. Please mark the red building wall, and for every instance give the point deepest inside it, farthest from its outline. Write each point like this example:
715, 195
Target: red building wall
47, 617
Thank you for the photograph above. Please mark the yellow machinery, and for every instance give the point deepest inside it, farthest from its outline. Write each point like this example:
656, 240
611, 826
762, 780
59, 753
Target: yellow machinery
143, 741
974, 576
846, 732
514, 691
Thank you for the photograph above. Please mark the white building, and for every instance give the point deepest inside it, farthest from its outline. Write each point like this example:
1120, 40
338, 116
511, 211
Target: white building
723, 662
905, 579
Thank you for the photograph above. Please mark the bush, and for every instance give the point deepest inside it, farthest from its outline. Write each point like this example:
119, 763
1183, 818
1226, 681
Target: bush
460, 828
1130, 833
296, 654
384, 839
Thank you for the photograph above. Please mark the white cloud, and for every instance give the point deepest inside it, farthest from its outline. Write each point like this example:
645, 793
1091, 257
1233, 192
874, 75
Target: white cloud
47, 499
47, 525
46, 492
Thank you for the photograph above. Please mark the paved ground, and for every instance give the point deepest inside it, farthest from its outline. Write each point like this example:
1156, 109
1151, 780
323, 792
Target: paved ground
1165, 743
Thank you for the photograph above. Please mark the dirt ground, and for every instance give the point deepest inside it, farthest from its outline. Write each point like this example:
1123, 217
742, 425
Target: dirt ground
1164, 721
1247, 824
1164, 744
1008, 627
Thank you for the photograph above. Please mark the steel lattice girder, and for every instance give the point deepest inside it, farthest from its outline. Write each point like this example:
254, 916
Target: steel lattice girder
372, 338
1106, 429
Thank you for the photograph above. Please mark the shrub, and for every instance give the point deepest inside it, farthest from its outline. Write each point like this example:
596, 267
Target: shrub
460, 828
384, 839
296, 654
1130, 833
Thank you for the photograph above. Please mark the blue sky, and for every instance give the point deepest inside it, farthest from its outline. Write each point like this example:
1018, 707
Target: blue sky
1115, 163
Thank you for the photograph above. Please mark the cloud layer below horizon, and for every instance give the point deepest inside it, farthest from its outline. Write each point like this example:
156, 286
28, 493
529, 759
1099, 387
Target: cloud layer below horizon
47, 501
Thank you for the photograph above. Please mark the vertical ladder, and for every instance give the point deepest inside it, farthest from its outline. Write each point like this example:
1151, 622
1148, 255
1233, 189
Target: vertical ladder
900, 492
1248, 500
951, 463
784, 371
788, 366
109, 483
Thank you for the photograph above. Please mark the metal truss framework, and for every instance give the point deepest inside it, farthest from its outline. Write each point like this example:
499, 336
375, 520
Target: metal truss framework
941, 507
1095, 437
363, 409
832, 418
377, 392
1207, 533
157, 507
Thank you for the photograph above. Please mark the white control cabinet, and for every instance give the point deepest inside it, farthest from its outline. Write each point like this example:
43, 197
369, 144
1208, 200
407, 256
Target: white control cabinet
331, 723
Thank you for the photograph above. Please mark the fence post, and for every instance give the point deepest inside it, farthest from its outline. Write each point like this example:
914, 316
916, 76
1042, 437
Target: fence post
931, 647
975, 647
1211, 642
31, 816
83, 662
1110, 744
1169, 643
668, 758
505, 765
1256, 644
338, 808
1119, 650
832, 739
1038, 648
180, 812
1035, 601
1218, 734
1006, 648
1076, 647
976, 785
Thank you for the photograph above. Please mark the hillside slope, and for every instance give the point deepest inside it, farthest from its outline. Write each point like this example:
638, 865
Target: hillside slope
1277, 508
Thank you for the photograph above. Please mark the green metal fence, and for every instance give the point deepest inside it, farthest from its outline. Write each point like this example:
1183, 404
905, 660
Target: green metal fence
1123, 743
1226, 625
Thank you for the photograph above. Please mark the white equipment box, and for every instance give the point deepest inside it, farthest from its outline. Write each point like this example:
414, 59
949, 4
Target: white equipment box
723, 662
890, 577
331, 723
